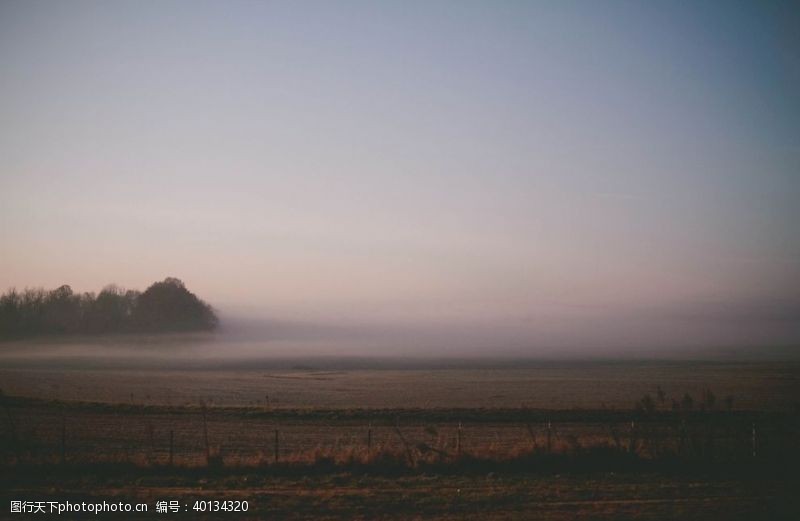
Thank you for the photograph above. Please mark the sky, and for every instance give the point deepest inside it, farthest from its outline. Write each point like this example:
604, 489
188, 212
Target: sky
532, 174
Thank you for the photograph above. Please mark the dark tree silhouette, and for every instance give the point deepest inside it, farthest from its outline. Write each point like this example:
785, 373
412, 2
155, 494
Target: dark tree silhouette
164, 306
169, 306
112, 309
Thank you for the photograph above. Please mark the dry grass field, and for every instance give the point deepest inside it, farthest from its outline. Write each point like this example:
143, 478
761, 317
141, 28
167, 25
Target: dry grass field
553, 441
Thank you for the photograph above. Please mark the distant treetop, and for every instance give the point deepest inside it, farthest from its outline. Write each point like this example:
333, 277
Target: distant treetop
165, 306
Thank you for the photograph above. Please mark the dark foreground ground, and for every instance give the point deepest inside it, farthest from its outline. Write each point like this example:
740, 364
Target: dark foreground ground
552, 441
411, 463
493, 496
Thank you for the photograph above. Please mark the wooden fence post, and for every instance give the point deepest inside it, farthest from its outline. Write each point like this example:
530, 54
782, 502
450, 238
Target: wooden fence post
171, 446
549, 436
754, 440
632, 440
531, 434
63, 440
205, 435
152, 441
683, 441
409, 454
458, 439
277, 446
369, 439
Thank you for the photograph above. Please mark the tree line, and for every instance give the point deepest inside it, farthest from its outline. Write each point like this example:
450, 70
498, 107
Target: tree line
165, 306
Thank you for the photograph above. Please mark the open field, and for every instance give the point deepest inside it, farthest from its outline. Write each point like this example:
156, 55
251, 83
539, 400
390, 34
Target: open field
550, 441
313, 384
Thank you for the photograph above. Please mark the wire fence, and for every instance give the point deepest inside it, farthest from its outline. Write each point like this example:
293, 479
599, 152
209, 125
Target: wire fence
201, 435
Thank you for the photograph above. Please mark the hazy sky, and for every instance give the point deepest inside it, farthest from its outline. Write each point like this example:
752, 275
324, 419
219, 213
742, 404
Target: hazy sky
563, 168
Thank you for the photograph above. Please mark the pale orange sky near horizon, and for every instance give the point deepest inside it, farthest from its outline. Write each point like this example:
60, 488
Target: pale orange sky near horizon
542, 167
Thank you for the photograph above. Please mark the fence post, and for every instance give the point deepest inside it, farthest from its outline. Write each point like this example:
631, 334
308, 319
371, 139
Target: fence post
205, 435
277, 446
409, 454
151, 439
458, 439
682, 449
171, 446
63, 440
531, 434
549, 436
754, 440
369, 439
632, 441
